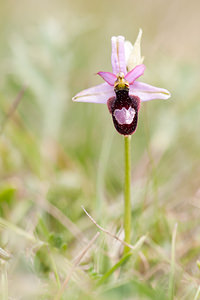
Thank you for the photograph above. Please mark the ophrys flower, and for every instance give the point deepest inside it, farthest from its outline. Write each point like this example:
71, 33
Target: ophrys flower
121, 90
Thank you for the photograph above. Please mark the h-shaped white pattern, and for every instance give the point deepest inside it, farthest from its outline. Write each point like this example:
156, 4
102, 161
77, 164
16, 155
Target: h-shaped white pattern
124, 116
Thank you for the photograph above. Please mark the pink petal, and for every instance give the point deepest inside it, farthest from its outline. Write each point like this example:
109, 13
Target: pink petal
110, 78
135, 73
148, 92
118, 55
97, 94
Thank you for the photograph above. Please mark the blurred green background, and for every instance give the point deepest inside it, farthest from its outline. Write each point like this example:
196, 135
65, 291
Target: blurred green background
56, 155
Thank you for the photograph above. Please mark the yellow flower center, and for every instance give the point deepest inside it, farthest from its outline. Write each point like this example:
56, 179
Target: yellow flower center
121, 83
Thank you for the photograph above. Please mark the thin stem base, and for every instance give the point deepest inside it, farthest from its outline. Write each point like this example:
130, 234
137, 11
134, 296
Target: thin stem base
127, 192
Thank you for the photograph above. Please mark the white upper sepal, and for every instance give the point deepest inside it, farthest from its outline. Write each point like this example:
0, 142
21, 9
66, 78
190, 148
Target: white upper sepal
133, 53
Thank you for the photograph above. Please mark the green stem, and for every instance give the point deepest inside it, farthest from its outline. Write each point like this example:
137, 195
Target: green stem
127, 192
173, 262
114, 268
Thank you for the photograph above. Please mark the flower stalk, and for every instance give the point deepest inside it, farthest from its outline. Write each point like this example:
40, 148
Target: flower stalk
127, 191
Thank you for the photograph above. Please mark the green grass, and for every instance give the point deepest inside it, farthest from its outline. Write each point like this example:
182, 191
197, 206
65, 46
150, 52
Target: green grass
57, 156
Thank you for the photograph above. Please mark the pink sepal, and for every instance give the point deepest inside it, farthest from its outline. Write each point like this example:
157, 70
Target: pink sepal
118, 55
147, 92
96, 94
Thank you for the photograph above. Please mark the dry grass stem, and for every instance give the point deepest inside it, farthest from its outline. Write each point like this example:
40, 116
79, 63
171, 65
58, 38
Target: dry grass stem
58, 215
12, 108
77, 261
4, 254
109, 233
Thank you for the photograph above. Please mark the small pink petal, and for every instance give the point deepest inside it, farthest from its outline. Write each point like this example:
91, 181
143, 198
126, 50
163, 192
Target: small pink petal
135, 73
118, 55
147, 92
110, 78
96, 94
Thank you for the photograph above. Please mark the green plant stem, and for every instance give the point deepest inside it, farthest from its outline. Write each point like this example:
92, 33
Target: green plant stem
120, 263
173, 263
127, 192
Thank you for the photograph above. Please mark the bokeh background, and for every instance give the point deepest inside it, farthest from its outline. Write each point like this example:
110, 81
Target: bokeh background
56, 156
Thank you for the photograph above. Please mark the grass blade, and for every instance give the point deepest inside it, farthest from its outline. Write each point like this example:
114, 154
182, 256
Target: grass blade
172, 272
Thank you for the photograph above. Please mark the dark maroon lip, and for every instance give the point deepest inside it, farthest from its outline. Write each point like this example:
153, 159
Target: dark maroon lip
123, 99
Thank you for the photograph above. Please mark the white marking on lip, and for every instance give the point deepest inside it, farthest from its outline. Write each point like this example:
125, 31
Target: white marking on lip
124, 116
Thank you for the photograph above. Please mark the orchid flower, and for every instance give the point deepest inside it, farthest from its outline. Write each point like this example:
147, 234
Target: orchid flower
121, 90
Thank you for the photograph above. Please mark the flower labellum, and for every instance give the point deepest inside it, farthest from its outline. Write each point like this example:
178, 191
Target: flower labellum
124, 107
121, 91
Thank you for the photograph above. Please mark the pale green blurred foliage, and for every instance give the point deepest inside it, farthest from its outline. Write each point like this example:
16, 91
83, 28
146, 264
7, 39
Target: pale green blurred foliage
69, 153
43, 60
